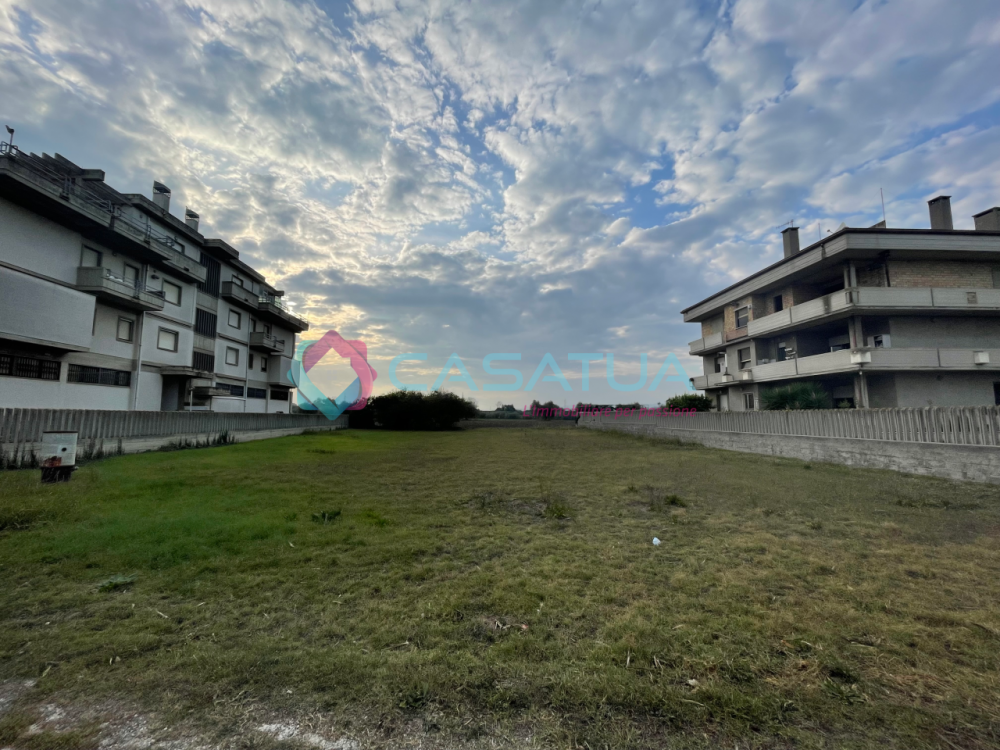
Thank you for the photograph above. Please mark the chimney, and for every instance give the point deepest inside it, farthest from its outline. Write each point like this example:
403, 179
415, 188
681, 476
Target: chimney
791, 238
988, 221
191, 219
161, 195
941, 213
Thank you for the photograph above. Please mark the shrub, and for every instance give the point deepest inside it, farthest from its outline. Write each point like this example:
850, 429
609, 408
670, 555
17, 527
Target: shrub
411, 410
544, 411
795, 396
689, 401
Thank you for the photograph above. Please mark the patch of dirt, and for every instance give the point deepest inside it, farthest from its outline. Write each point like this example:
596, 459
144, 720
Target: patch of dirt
113, 726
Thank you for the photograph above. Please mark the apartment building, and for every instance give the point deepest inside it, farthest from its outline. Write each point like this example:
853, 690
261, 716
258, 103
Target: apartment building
109, 301
878, 317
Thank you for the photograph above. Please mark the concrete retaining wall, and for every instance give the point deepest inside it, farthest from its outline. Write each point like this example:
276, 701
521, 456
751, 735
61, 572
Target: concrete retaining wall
974, 463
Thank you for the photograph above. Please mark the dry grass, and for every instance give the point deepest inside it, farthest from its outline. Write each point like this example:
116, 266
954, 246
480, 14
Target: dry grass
497, 584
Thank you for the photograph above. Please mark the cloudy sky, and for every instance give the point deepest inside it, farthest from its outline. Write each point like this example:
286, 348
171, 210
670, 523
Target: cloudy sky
516, 177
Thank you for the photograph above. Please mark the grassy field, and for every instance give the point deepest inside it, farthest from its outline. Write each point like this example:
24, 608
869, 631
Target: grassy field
500, 586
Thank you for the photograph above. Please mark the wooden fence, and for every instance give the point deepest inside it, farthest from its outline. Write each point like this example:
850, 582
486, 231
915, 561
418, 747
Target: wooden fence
957, 425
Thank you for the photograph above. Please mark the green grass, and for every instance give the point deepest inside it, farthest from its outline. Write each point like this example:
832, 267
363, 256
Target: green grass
504, 583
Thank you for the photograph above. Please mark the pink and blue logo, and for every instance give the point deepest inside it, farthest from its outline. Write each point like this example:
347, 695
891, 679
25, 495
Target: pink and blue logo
308, 395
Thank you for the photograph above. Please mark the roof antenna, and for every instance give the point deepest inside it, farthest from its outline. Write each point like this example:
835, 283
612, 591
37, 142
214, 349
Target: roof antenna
882, 195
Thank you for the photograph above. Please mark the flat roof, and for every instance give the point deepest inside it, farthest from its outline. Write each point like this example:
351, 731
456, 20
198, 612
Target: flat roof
832, 239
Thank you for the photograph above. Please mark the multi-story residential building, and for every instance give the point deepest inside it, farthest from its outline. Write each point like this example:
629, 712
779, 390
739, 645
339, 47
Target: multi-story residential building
878, 317
108, 301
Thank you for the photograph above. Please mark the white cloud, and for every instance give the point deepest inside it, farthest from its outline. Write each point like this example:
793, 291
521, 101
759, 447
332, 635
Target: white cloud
475, 177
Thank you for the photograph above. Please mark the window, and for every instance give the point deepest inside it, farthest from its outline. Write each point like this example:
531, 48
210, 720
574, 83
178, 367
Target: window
720, 362
166, 340
235, 319
744, 357
171, 293
98, 376
256, 392
203, 361
131, 275
125, 329
237, 280
263, 364
742, 316
204, 323
249, 361
779, 303
748, 401
232, 356
29, 367
267, 329
881, 341
279, 395
214, 275
91, 258
996, 278
234, 390
782, 352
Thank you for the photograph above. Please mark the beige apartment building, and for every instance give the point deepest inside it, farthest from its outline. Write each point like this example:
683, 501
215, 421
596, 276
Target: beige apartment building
878, 317
109, 301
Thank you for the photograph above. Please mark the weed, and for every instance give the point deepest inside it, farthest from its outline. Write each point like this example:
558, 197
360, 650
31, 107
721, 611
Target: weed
555, 509
326, 516
116, 582
659, 500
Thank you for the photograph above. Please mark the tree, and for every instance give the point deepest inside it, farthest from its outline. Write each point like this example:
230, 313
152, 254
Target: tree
412, 410
795, 396
689, 401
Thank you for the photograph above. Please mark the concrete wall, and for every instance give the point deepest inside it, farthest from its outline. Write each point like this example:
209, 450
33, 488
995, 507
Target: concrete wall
947, 389
967, 462
15, 392
181, 358
36, 310
944, 332
37, 244
21, 429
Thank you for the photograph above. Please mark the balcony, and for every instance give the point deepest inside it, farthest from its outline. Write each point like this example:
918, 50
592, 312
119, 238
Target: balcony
116, 290
274, 308
712, 341
265, 342
236, 293
869, 300
69, 199
278, 368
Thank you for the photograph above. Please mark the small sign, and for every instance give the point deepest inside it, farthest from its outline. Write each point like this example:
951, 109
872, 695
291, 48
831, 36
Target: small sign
58, 449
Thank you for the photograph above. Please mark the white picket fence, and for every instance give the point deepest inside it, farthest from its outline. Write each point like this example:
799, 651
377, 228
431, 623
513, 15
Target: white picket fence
960, 425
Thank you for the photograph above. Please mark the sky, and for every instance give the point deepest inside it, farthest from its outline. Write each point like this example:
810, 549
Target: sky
467, 178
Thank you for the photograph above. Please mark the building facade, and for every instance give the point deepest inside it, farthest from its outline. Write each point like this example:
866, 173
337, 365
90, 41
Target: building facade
877, 317
108, 301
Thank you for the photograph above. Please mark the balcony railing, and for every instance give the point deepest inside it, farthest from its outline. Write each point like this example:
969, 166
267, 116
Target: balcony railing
104, 283
276, 307
869, 299
266, 342
233, 291
869, 360
74, 191
712, 341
